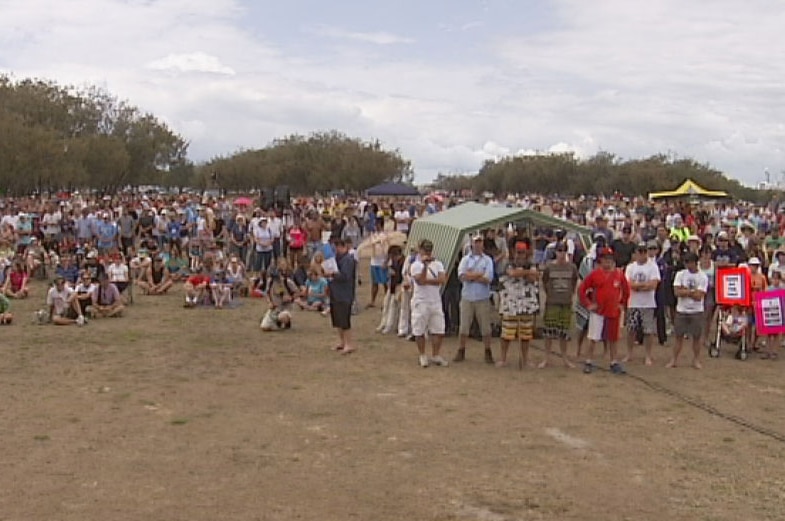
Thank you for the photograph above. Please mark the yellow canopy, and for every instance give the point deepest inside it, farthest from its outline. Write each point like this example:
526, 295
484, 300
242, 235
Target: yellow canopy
689, 188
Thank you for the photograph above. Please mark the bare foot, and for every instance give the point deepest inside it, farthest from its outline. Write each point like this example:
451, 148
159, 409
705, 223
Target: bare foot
568, 364
501, 363
697, 365
626, 359
542, 365
671, 364
649, 362
347, 350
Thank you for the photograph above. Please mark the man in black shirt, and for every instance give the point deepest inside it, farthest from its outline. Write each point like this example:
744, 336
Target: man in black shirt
623, 248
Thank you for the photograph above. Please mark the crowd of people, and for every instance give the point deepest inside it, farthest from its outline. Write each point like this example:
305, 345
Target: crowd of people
649, 269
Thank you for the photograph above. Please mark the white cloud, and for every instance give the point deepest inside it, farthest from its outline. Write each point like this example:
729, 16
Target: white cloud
700, 78
191, 62
378, 37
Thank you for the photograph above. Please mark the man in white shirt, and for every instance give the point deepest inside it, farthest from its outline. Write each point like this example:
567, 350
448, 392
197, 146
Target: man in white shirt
63, 305
643, 277
276, 228
402, 219
428, 275
690, 287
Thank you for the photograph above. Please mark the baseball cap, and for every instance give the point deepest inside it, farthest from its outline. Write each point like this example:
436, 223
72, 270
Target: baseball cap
722, 235
605, 252
641, 246
754, 261
521, 246
652, 245
693, 238
477, 237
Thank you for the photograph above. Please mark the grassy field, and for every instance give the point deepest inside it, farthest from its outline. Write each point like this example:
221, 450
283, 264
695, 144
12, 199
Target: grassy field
176, 414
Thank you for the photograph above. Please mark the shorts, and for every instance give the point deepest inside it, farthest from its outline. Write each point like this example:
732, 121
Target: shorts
604, 329
469, 310
427, 318
690, 325
517, 327
558, 320
641, 320
379, 275
341, 315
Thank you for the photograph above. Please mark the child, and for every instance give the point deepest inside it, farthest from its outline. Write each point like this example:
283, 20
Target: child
757, 284
774, 341
315, 292
735, 325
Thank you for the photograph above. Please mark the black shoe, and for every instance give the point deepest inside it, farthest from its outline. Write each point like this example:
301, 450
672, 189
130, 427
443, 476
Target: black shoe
588, 368
488, 356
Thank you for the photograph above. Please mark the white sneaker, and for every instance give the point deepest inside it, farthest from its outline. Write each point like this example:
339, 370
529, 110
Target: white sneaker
80, 321
423, 361
438, 360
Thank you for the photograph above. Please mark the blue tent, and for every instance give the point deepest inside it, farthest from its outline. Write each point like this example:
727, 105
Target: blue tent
392, 189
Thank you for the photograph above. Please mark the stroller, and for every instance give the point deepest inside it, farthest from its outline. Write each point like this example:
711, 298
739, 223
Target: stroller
732, 326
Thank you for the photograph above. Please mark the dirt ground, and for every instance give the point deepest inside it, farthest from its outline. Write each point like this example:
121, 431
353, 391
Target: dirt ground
176, 414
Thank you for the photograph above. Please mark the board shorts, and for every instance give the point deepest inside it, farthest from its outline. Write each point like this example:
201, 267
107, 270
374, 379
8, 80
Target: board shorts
379, 275
688, 324
517, 327
603, 329
558, 320
641, 320
427, 318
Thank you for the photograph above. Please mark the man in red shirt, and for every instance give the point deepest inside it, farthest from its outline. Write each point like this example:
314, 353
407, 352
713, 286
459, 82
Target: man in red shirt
604, 293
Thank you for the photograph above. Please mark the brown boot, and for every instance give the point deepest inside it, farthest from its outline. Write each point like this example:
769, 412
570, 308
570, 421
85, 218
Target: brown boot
488, 356
460, 355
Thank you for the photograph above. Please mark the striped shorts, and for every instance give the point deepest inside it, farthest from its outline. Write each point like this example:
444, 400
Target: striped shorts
558, 320
517, 327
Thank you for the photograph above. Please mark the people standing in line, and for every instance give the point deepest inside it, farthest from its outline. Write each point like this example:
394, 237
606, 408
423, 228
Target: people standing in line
428, 275
690, 286
476, 273
342, 290
604, 293
643, 278
560, 280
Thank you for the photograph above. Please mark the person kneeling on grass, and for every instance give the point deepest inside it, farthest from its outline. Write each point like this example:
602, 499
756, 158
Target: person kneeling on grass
281, 292
6, 317
196, 288
106, 299
63, 306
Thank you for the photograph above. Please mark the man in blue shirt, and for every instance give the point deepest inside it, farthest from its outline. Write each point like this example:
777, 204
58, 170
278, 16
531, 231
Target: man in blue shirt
476, 273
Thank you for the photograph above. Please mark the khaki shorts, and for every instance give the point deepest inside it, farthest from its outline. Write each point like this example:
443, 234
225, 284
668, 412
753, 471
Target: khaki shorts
518, 327
480, 309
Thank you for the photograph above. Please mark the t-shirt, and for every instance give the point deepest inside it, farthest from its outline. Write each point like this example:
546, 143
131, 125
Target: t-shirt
429, 294
637, 273
316, 287
687, 279
59, 299
560, 281
402, 220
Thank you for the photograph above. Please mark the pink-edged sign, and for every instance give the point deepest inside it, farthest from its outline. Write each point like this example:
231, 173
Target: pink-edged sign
769, 310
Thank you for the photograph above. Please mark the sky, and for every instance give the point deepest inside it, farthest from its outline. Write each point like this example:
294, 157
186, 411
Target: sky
450, 84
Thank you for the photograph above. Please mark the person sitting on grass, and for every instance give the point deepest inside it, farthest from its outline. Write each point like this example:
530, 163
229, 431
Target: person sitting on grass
84, 291
196, 288
6, 317
281, 293
220, 288
15, 285
63, 306
106, 299
117, 272
315, 295
156, 280
177, 264
235, 276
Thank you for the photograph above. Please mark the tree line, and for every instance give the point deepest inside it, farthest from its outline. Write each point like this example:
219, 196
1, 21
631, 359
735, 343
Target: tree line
54, 138
319, 163
603, 173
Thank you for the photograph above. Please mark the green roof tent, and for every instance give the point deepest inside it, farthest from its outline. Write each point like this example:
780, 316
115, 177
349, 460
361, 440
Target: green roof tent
448, 229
